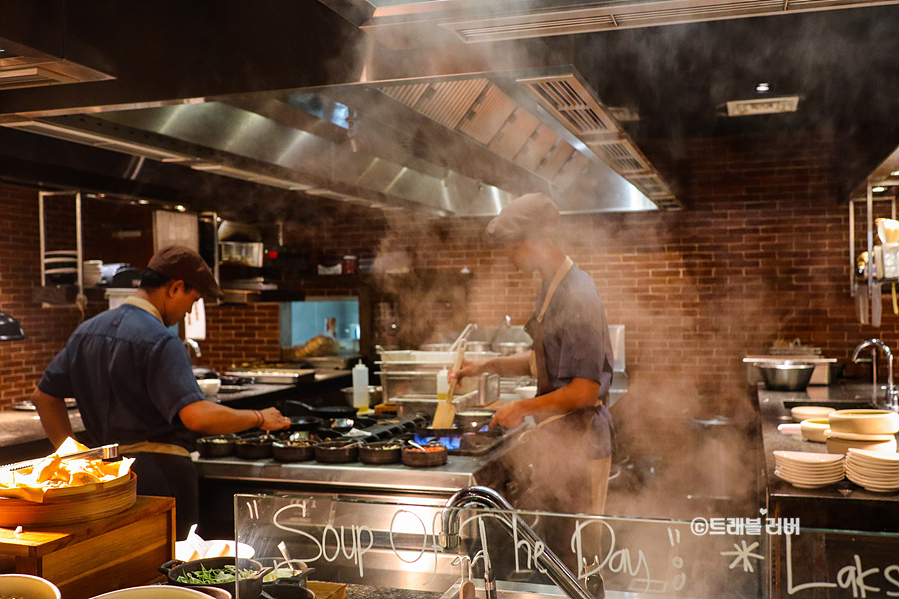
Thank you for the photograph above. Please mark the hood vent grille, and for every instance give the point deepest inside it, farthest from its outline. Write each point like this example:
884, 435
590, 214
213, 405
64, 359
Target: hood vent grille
568, 21
485, 113
568, 99
31, 77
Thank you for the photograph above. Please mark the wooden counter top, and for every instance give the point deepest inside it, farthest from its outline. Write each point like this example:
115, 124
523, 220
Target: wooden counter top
91, 558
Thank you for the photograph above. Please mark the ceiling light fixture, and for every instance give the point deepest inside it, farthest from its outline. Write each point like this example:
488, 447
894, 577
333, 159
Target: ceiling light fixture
878, 189
894, 174
762, 88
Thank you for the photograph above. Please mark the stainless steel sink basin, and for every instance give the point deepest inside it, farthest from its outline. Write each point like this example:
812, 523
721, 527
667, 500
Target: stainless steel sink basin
837, 404
509, 590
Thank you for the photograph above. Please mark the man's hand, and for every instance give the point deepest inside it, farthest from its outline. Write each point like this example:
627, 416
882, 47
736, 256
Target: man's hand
272, 420
511, 415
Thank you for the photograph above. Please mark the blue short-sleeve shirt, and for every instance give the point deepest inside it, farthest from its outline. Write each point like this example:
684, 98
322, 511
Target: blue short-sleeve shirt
130, 377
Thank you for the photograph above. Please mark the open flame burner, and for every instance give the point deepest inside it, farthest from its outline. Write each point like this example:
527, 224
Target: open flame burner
477, 443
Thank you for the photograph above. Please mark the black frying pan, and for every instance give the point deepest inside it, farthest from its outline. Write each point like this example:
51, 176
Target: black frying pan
324, 412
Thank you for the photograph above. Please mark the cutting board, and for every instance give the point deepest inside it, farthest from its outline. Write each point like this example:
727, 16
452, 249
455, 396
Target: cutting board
327, 590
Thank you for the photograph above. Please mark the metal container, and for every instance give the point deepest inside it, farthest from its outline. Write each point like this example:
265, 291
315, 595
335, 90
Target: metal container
786, 377
241, 253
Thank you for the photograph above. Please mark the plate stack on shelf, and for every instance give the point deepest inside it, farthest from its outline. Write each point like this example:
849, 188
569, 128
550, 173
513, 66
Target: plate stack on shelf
93, 272
874, 470
808, 470
60, 267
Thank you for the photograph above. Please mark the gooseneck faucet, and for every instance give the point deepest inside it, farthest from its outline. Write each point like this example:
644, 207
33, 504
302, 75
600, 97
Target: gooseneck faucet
192, 344
486, 497
890, 399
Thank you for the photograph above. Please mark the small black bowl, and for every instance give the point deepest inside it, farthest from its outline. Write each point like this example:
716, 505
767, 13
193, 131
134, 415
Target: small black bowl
338, 451
381, 452
219, 446
293, 451
254, 448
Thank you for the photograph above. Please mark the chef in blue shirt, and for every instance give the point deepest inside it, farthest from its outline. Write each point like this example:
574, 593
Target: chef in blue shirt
134, 385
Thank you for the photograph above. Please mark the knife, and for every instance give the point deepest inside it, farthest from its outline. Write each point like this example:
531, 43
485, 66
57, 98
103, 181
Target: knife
105, 452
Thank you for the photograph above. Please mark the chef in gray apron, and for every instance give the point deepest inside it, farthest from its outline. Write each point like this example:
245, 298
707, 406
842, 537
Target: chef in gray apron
562, 465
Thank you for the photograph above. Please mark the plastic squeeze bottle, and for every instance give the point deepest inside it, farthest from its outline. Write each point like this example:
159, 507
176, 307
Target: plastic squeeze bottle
360, 385
442, 384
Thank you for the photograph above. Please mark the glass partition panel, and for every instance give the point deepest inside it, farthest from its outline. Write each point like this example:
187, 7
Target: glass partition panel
432, 549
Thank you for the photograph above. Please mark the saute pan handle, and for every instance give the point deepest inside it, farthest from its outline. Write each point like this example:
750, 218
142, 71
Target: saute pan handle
169, 566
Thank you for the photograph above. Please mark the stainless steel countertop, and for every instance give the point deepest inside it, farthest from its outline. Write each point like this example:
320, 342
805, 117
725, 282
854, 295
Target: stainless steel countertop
773, 413
458, 472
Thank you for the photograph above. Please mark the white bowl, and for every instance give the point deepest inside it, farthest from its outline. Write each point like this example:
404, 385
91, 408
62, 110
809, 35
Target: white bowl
801, 413
526, 392
814, 429
210, 386
25, 586
154, 592
867, 422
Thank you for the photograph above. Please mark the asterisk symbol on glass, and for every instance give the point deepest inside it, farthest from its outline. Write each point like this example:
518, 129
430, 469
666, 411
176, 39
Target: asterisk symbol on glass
743, 554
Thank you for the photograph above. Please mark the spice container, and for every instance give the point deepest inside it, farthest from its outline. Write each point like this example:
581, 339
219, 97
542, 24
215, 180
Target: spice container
350, 265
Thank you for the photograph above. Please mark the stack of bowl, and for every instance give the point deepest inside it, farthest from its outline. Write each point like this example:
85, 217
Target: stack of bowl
92, 273
815, 429
873, 470
873, 430
808, 470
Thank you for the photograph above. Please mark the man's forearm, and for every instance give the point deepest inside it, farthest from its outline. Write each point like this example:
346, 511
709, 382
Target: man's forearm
54, 416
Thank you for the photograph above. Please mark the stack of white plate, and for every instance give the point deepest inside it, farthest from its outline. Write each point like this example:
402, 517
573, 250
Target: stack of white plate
874, 470
808, 470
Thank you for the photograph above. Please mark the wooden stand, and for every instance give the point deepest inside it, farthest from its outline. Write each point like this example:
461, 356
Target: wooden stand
91, 558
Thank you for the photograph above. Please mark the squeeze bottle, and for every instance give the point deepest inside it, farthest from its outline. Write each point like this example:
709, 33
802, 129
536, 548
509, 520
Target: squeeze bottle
442, 384
360, 385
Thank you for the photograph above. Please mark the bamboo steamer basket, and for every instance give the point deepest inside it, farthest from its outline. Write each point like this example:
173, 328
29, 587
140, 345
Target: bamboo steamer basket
72, 504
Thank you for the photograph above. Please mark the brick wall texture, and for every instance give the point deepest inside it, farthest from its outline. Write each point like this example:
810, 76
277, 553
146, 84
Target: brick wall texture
759, 253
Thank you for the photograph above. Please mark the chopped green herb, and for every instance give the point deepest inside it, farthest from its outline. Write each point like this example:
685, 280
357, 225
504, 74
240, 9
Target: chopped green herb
213, 575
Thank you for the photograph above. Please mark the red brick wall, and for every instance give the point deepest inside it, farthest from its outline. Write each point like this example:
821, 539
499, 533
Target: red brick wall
758, 253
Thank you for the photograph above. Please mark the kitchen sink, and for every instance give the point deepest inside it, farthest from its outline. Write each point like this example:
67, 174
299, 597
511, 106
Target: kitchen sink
509, 590
839, 404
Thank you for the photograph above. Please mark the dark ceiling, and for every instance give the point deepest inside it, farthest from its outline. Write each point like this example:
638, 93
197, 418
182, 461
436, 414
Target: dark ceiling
843, 63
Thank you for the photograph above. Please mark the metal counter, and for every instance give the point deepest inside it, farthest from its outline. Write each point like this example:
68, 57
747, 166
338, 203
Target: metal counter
458, 472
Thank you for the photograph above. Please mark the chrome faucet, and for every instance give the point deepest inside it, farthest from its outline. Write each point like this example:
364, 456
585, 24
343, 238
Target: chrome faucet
890, 397
486, 497
192, 344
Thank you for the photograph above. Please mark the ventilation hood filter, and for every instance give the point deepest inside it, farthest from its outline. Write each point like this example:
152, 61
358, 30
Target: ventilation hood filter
762, 106
31, 77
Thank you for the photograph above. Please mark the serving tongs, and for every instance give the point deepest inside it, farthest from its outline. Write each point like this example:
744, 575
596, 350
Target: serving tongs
106, 452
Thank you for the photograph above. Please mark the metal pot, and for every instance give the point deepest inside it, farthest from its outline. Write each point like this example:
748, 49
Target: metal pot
786, 377
375, 395
511, 348
478, 346
250, 588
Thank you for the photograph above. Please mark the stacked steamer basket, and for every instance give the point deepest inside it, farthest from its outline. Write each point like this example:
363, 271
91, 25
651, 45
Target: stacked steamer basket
874, 470
808, 470
873, 430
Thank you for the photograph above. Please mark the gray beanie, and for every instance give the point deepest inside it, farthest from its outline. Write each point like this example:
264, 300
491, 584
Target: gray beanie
533, 214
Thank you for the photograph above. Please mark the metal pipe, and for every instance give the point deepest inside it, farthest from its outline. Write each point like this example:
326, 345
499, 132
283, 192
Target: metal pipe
486, 497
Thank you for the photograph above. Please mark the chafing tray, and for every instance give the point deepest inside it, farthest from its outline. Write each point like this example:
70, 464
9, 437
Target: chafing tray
275, 376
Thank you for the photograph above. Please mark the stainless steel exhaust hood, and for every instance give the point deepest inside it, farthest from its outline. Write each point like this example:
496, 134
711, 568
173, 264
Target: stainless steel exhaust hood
457, 146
